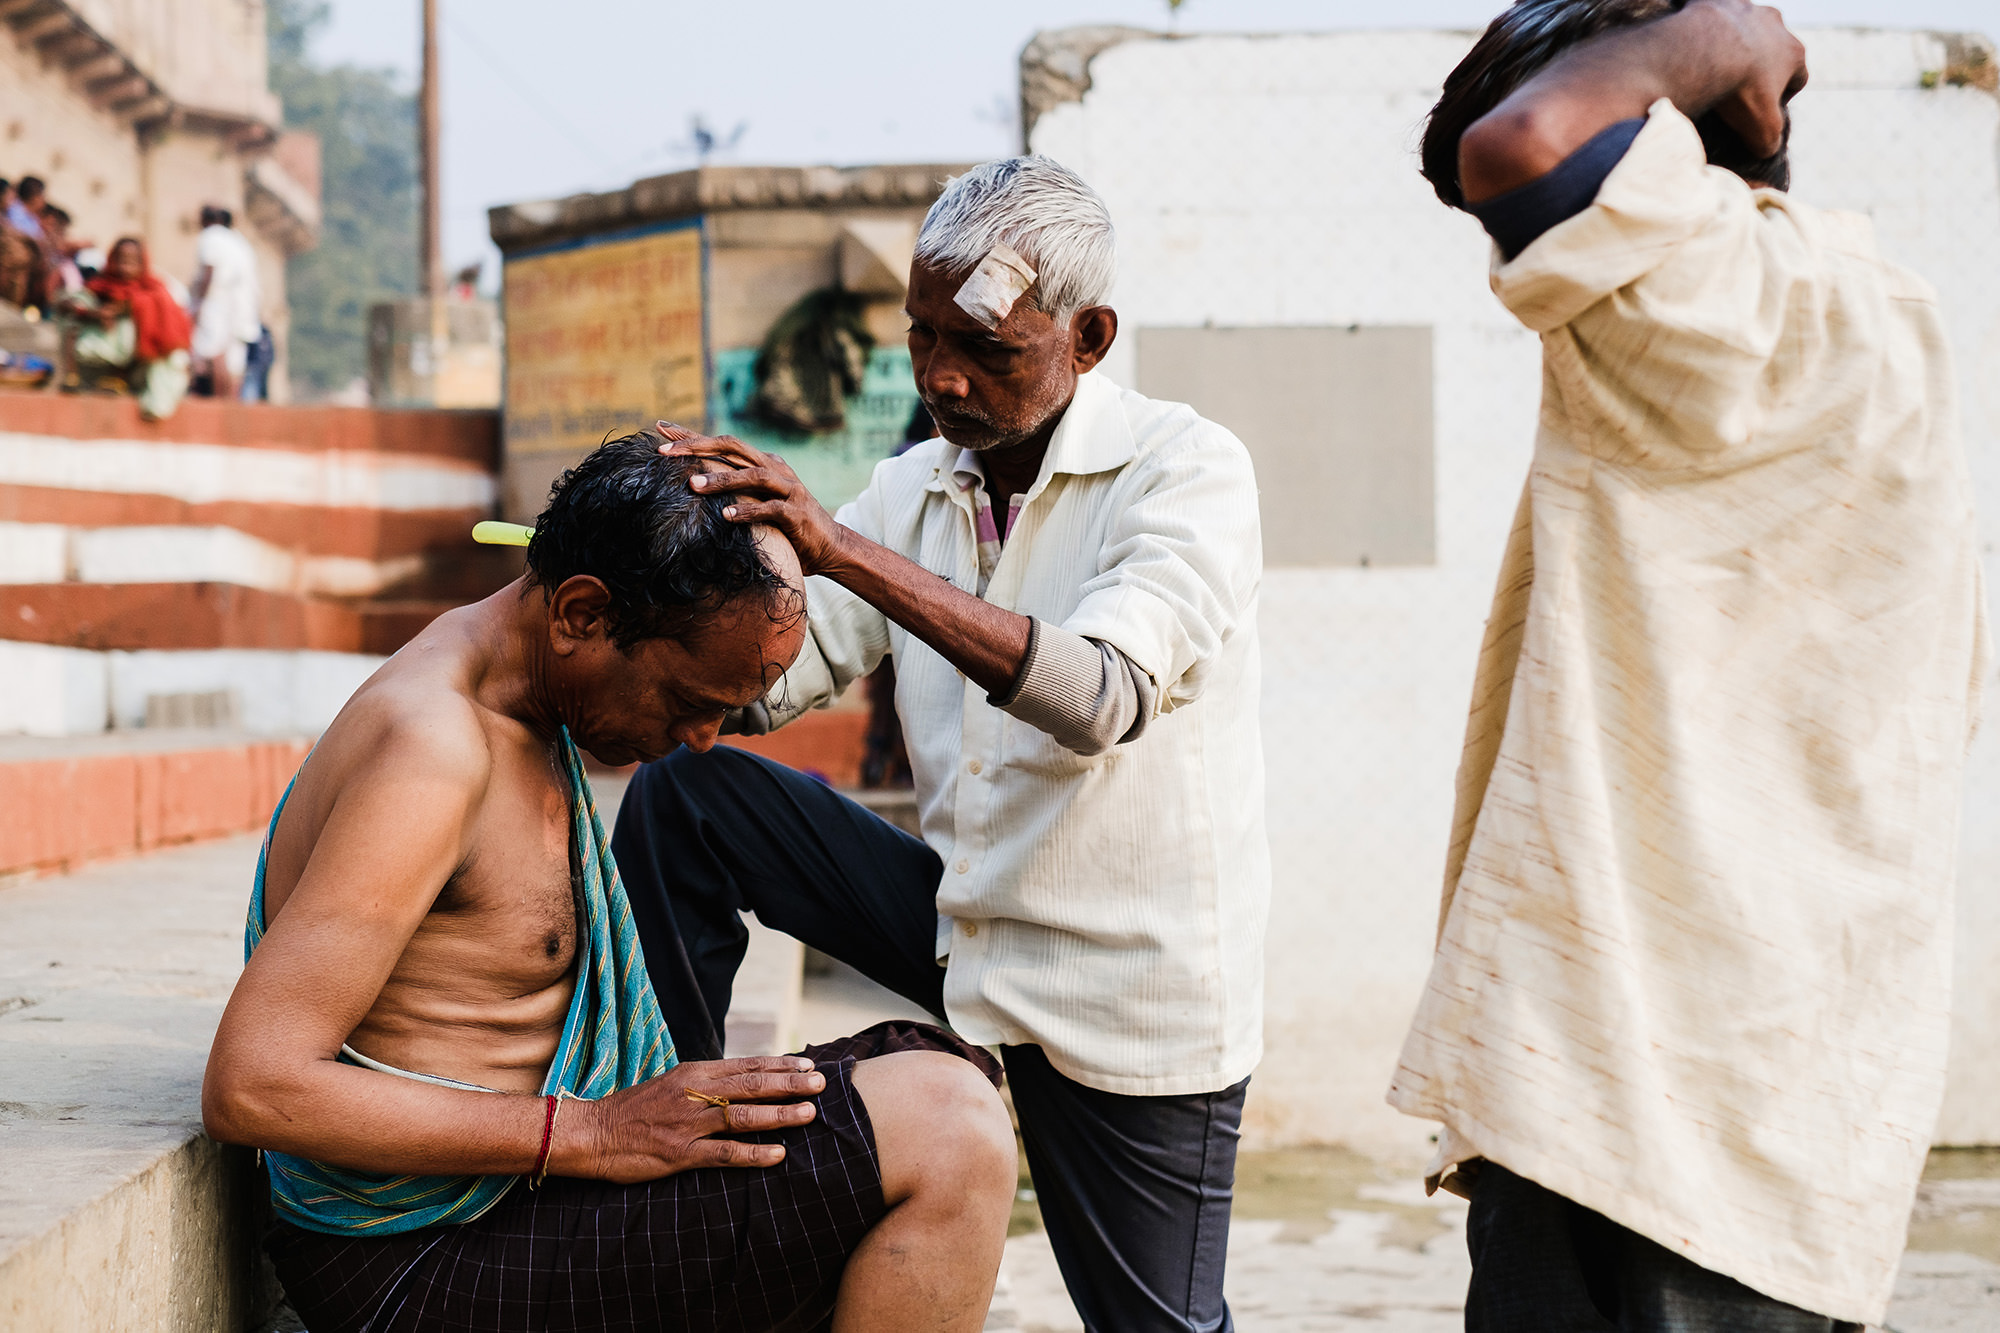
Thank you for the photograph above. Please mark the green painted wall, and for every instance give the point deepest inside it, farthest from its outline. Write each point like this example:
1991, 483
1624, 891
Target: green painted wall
836, 466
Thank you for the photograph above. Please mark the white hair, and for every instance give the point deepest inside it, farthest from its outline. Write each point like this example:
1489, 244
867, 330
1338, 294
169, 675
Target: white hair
1045, 212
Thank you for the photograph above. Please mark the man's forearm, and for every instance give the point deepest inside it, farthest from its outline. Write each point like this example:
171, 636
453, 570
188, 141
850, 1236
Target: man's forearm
984, 641
1696, 59
366, 1121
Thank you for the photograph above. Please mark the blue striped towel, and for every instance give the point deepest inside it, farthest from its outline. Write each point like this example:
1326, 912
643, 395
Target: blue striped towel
613, 1038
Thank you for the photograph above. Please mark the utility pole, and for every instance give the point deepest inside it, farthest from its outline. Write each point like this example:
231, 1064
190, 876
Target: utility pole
430, 252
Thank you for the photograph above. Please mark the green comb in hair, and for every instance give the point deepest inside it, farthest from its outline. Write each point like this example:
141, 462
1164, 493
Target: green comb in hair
494, 533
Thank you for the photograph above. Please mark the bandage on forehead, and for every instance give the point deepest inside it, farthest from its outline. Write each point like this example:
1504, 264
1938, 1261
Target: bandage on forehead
1001, 279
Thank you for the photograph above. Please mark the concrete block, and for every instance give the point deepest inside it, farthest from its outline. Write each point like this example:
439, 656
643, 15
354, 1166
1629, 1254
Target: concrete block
175, 1248
764, 1007
34, 552
60, 810
828, 743
282, 693
194, 794
52, 691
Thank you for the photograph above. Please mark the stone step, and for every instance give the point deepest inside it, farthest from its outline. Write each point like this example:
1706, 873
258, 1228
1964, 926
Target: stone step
115, 1212
65, 801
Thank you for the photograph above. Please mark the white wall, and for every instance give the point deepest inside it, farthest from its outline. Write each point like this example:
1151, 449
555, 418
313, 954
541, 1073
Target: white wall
1272, 180
280, 693
50, 691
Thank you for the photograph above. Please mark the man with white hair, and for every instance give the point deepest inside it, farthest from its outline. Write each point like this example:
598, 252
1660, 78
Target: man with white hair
1067, 581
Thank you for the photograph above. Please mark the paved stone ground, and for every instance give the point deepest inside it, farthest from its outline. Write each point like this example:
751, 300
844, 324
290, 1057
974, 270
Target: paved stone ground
1324, 1241
1327, 1243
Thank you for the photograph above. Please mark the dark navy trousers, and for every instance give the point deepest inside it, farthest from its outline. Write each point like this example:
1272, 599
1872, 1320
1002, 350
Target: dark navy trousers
1542, 1264
1135, 1191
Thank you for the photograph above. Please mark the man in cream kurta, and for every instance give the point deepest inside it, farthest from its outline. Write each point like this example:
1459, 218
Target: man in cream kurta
1694, 965
1066, 580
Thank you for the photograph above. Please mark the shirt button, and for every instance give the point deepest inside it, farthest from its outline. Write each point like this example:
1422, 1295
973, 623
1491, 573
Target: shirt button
969, 927
962, 867
973, 768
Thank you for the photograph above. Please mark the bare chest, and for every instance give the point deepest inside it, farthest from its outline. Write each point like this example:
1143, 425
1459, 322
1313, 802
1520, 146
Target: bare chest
506, 921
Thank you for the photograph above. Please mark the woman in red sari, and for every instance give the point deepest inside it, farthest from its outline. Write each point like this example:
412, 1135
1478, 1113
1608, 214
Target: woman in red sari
128, 323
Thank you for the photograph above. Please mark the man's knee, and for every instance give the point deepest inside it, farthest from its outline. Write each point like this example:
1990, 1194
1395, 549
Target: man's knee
939, 1126
711, 781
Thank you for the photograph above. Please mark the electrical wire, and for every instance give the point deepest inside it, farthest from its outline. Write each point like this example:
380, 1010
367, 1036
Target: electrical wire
524, 90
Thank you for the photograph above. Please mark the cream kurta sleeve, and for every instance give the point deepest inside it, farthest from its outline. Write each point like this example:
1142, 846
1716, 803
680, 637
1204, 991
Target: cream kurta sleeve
1182, 561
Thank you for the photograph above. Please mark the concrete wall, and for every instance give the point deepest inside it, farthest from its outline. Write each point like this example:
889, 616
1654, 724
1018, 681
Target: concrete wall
89, 156
1271, 181
206, 54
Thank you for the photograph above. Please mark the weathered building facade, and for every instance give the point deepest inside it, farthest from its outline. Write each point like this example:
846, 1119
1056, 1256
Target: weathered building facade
653, 301
138, 112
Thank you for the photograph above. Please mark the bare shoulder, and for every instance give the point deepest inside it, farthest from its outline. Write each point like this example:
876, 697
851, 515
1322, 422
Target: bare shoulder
414, 723
409, 739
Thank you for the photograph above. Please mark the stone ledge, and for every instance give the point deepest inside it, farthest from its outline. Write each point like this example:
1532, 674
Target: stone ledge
64, 803
115, 1212
462, 435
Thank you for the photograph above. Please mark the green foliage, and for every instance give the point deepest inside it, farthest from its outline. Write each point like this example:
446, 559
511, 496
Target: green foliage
368, 198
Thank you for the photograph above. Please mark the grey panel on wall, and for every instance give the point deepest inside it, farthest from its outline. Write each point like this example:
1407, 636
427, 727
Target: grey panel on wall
1338, 421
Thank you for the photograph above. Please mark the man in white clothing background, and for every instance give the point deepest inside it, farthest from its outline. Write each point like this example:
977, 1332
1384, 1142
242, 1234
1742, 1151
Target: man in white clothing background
224, 301
1686, 1025
1067, 581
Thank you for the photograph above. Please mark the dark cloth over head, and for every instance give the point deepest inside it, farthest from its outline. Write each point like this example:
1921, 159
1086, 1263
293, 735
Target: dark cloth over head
1519, 218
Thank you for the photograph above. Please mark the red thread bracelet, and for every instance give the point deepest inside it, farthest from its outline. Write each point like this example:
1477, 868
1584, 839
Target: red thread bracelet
541, 1170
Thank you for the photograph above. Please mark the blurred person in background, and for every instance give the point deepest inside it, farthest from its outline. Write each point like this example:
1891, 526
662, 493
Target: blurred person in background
257, 367
24, 211
127, 323
24, 219
65, 277
1687, 1021
225, 302
18, 254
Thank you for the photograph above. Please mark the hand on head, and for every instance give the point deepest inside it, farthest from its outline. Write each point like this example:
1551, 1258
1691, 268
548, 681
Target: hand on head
763, 490
1776, 64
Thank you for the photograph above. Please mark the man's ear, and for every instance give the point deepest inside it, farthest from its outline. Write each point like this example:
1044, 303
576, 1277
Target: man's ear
1092, 331
577, 614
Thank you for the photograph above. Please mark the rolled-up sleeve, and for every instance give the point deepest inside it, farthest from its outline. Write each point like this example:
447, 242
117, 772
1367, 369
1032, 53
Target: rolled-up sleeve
1086, 694
1182, 562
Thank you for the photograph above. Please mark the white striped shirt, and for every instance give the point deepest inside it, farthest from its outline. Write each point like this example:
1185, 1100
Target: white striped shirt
1110, 907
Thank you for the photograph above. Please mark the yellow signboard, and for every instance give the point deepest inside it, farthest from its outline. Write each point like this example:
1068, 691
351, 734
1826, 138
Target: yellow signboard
603, 337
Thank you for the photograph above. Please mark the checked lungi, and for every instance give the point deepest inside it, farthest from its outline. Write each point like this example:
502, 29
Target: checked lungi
719, 1250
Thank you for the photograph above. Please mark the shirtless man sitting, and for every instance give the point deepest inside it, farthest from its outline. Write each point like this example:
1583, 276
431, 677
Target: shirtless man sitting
436, 894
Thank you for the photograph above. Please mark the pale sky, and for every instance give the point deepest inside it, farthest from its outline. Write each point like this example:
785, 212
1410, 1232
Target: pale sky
544, 100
